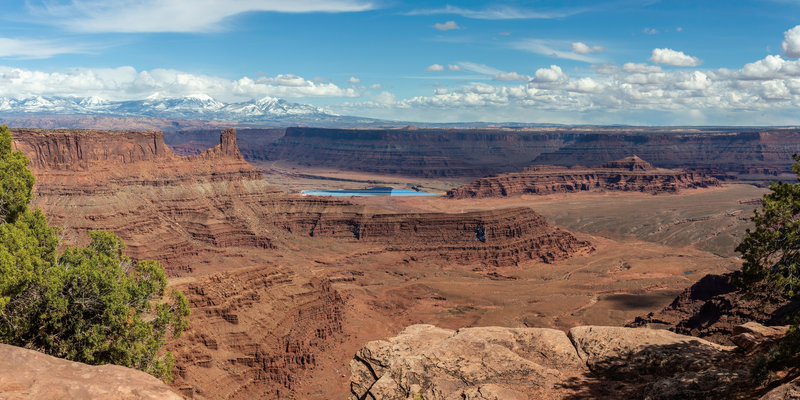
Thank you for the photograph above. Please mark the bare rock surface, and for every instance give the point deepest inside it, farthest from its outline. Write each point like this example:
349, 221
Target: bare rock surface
28, 374
540, 363
787, 391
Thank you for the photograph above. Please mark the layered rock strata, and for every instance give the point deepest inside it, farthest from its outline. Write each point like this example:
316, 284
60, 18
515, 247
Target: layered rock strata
527, 363
176, 209
412, 152
469, 152
213, 220
255, 333
28, 374
627, 174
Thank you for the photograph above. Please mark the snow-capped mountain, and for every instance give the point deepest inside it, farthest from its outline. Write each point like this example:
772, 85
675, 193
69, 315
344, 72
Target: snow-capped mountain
198, 106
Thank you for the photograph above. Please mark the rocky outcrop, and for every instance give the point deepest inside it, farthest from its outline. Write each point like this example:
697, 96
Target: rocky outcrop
255, 332
713, 307
787, 391
528, 363
627, 174
497, 237
28, 374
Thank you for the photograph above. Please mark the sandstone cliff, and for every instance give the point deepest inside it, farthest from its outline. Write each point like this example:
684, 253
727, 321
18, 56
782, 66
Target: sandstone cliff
626, 174
27, 374
539, 363
481, 152
258, 324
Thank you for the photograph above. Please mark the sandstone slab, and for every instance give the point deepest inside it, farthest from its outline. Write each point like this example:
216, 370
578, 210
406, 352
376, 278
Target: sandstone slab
27, 374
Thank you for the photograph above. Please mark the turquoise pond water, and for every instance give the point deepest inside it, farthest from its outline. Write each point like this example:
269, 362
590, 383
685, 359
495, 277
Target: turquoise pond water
376, 191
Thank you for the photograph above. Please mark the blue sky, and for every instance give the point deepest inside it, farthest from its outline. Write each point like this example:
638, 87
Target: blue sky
634, 62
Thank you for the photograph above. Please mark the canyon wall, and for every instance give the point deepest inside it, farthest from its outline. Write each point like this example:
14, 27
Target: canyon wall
413, 152
481, 152
760, 152
631, 174
240, 249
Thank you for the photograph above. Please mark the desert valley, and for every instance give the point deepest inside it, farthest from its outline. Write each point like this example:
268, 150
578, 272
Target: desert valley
286, 288
400, 200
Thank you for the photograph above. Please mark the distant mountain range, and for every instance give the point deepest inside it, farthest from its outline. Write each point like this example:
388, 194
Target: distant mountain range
268, 110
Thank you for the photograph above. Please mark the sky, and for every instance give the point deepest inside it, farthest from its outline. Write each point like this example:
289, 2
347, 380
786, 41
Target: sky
575, 62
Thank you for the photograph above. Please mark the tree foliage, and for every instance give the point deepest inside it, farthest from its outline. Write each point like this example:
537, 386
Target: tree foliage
89, 304
771, 254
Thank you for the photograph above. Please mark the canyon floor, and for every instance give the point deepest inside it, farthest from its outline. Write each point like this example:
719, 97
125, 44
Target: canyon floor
285, 288
648, 249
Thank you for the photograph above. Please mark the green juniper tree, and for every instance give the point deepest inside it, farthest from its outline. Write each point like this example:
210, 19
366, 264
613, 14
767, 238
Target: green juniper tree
89, 304
771, 254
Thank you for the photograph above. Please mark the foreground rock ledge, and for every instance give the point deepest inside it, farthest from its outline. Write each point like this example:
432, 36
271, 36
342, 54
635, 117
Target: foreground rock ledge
540, 363
28, 374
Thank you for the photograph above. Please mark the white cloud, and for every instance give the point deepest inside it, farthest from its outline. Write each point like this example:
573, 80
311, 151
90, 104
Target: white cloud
552, 48
550, 74
434, 67
376, 86
674, 58
30, 48
353, 79
583, 48
649, 31
791, 42
500, 12
447, 26
126, 83
694, 81
172, 15
454, 67
510, 76
640, 68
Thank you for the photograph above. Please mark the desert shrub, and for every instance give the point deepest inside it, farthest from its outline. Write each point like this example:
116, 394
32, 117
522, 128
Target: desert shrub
89, 304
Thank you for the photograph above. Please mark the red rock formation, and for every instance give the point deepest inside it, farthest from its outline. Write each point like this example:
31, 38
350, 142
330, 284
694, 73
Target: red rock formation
480, 152
627, 174
254, 333
413, 152
714, 306
256, 326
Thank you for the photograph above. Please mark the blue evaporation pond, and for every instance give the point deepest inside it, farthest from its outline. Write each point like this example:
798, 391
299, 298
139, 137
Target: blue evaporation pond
376, 191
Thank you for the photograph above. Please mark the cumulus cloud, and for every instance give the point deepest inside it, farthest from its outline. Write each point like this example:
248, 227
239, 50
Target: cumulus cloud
649, 31
434, 67
674, 58
30, 48
791, 42
376, 86
454, 67
172, 15
583, 48
353, 79
510, 76
447, 26
126, 83
550, 74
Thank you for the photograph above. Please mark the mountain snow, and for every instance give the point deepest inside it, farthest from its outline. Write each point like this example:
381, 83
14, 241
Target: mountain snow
196, 106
